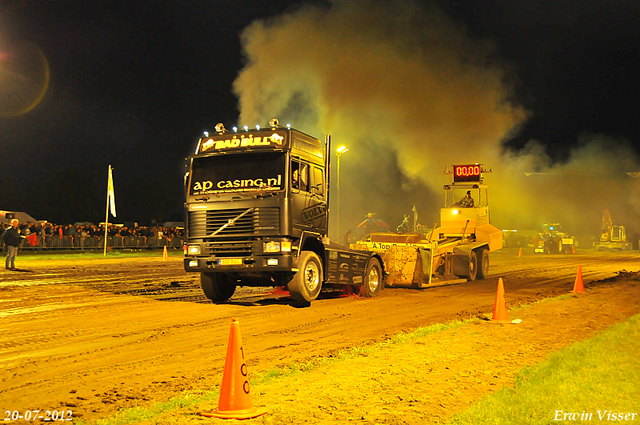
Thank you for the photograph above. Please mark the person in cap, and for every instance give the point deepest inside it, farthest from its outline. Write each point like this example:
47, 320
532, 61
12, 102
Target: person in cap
467, 201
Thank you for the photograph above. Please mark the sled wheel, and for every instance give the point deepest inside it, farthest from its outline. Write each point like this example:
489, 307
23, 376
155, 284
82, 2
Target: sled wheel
473, 266
483, 267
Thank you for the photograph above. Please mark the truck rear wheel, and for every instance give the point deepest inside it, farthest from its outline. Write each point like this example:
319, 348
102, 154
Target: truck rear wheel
307, 282
483, 266
218, 287
372, 279
473, 266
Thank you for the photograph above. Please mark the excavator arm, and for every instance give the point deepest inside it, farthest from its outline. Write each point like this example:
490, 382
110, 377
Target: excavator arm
607, 224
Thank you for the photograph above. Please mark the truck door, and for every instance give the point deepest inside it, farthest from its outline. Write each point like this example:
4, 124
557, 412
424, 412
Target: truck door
309, 205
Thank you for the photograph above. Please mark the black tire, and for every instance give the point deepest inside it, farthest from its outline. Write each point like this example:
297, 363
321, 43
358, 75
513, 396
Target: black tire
473, 266
483, 265
307, 282
218, 287
372, 282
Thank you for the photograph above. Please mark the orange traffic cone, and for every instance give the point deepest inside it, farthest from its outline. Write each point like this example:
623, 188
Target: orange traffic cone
573, 249
578, 287
235, 397
500, 313
520, 253
165, 255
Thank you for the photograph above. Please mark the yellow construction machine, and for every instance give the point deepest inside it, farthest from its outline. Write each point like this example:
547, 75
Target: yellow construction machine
612, 237
456, 251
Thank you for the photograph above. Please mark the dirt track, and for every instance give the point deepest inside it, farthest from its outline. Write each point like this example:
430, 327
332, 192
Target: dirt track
93, 336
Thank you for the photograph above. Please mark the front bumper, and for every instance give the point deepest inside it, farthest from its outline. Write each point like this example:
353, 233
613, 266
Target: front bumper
252, 264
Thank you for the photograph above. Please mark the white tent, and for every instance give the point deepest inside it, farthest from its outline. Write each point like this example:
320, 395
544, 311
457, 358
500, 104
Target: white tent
7, 216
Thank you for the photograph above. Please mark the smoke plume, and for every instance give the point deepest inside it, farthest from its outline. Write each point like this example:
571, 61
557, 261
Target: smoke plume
410, 93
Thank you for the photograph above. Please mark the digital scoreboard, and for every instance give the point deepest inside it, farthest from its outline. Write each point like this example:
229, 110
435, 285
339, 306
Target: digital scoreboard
467, 173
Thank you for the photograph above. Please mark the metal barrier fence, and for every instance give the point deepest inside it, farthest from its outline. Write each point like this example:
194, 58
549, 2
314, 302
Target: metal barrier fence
97, 242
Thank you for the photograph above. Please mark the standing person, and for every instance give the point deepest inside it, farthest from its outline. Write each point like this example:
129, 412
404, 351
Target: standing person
12, 239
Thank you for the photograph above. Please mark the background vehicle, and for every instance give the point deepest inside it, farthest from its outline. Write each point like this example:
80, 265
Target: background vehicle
553, 240
256, 215
455, 251
612, 237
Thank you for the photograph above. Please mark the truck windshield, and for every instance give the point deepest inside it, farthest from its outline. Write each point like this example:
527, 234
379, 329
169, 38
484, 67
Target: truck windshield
254, 172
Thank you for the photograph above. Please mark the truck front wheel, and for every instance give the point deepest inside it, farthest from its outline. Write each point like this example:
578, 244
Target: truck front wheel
307, 282
372, 279
218, 287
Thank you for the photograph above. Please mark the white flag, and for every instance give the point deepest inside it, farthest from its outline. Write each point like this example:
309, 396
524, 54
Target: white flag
111, 194
415, 218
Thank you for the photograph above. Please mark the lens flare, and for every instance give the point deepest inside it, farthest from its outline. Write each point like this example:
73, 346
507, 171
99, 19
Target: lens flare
24, 78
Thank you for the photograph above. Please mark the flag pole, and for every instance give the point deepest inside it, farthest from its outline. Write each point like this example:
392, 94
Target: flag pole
106, 218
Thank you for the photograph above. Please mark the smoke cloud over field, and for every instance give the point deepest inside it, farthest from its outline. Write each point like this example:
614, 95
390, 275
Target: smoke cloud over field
410, 93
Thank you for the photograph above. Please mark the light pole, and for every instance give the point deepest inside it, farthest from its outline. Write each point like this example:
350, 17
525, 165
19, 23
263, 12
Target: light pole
339, 151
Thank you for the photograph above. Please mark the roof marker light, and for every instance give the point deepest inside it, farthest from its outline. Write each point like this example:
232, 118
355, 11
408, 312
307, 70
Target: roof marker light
206, 133
246, 128
257, 126
288, 126
220, 128
235, 129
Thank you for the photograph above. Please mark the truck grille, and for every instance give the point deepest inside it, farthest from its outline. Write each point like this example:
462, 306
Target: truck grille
228, 249
259, 222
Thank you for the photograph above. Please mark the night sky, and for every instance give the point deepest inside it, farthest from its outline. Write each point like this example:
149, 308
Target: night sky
134, 83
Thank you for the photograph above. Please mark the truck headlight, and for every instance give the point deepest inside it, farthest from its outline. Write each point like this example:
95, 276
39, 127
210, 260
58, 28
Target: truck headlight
193, 250
455, 212
276, 246
271, 246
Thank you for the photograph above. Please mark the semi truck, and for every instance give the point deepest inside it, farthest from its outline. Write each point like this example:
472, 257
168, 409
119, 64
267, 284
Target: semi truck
455, 251
256, 214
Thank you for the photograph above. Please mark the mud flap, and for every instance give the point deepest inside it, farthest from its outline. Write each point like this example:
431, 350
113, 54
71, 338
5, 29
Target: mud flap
427, 263
461, 265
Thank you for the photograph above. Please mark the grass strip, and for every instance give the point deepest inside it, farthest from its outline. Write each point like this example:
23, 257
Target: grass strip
589, 381
139, 414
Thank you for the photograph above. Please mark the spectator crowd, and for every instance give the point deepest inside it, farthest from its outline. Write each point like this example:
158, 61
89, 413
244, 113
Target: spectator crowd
87, 235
